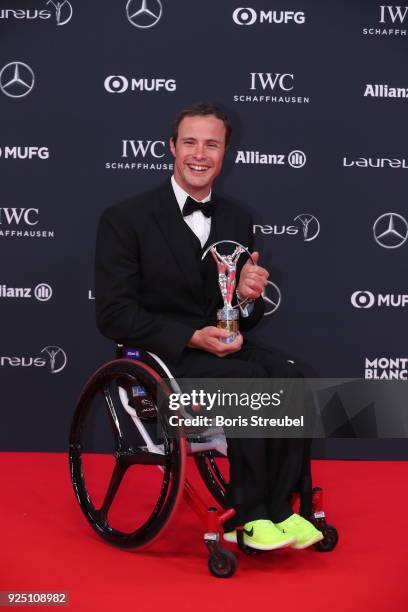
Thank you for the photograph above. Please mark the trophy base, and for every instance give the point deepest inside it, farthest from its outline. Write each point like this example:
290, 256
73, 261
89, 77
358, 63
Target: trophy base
227, 318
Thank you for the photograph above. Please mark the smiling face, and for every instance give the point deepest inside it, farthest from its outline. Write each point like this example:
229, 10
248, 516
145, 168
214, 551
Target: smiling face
199, 153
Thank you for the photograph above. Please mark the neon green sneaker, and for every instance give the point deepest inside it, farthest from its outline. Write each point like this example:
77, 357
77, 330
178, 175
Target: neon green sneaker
304, 533
262, 535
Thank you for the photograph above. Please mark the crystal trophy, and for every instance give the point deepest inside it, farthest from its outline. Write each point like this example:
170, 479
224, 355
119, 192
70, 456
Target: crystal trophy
228, 315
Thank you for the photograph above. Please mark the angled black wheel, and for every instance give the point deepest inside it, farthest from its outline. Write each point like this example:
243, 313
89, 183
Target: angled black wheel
127, 473
222, 564
331, 537
212, 475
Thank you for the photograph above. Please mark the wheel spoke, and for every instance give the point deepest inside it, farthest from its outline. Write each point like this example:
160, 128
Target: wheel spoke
117, 476
140, 456
112, 413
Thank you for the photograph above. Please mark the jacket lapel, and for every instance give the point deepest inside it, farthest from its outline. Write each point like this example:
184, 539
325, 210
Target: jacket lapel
180, 240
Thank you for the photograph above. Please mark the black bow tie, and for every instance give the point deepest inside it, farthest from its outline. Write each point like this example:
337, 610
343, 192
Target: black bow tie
207, 208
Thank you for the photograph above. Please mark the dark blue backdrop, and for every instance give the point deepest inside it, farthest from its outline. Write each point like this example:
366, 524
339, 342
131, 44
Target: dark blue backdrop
94, 96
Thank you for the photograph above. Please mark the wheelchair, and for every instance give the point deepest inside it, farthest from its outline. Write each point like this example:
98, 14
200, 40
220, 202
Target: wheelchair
129, 474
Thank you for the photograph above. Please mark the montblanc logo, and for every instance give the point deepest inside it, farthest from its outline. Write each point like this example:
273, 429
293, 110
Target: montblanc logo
272, 87
307, 226
117, 83
248, 16
392, 20
376, 162
24, 152
52, 356
295, 159
41, 292
367, 299
143, 155
21, 223
385, 91
62, 12
386, 368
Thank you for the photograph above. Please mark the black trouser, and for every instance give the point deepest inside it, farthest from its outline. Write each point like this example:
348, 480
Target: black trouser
263, 472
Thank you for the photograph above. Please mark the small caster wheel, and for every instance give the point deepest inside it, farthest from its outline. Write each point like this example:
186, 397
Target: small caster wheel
222, 564
331, 537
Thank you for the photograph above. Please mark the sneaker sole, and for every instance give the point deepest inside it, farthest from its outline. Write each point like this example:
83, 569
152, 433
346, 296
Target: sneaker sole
283, 544
314, 540
230, 538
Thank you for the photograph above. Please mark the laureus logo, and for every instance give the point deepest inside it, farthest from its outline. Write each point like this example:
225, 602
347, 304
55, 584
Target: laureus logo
54, 355
57, 358
307, 226
63, 11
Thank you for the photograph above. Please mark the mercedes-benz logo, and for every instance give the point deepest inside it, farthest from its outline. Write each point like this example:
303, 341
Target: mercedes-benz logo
16, 79
310, 226
390, 230
58, 358
146, 15
272, 297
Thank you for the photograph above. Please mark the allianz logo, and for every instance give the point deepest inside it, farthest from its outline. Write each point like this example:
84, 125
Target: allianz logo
379, 90
295, 159
24, 152
367, 299
42, 292
375, 162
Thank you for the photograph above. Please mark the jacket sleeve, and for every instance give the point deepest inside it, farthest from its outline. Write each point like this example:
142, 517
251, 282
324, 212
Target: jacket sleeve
119, 314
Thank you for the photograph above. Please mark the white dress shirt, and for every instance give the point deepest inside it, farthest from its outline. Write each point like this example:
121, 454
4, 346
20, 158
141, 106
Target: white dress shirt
201, 226
197, 222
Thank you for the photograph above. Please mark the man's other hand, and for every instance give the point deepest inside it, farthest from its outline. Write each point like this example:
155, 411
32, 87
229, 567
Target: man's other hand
210, 339
253, 279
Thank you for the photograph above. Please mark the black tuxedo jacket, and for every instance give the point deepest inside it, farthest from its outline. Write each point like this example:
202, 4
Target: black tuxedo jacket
152, 291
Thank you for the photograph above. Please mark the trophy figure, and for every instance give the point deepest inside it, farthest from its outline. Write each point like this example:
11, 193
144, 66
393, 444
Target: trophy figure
228, 315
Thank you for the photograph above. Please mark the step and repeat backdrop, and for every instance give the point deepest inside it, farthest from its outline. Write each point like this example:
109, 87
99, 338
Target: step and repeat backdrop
318, 95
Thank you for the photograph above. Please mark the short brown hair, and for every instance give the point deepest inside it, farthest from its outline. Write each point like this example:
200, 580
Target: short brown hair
202, 110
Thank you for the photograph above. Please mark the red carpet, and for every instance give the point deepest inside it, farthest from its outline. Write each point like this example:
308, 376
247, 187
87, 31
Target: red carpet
47, 545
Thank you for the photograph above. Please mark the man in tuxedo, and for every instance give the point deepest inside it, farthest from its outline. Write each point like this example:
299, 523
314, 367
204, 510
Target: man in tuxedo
153, 291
